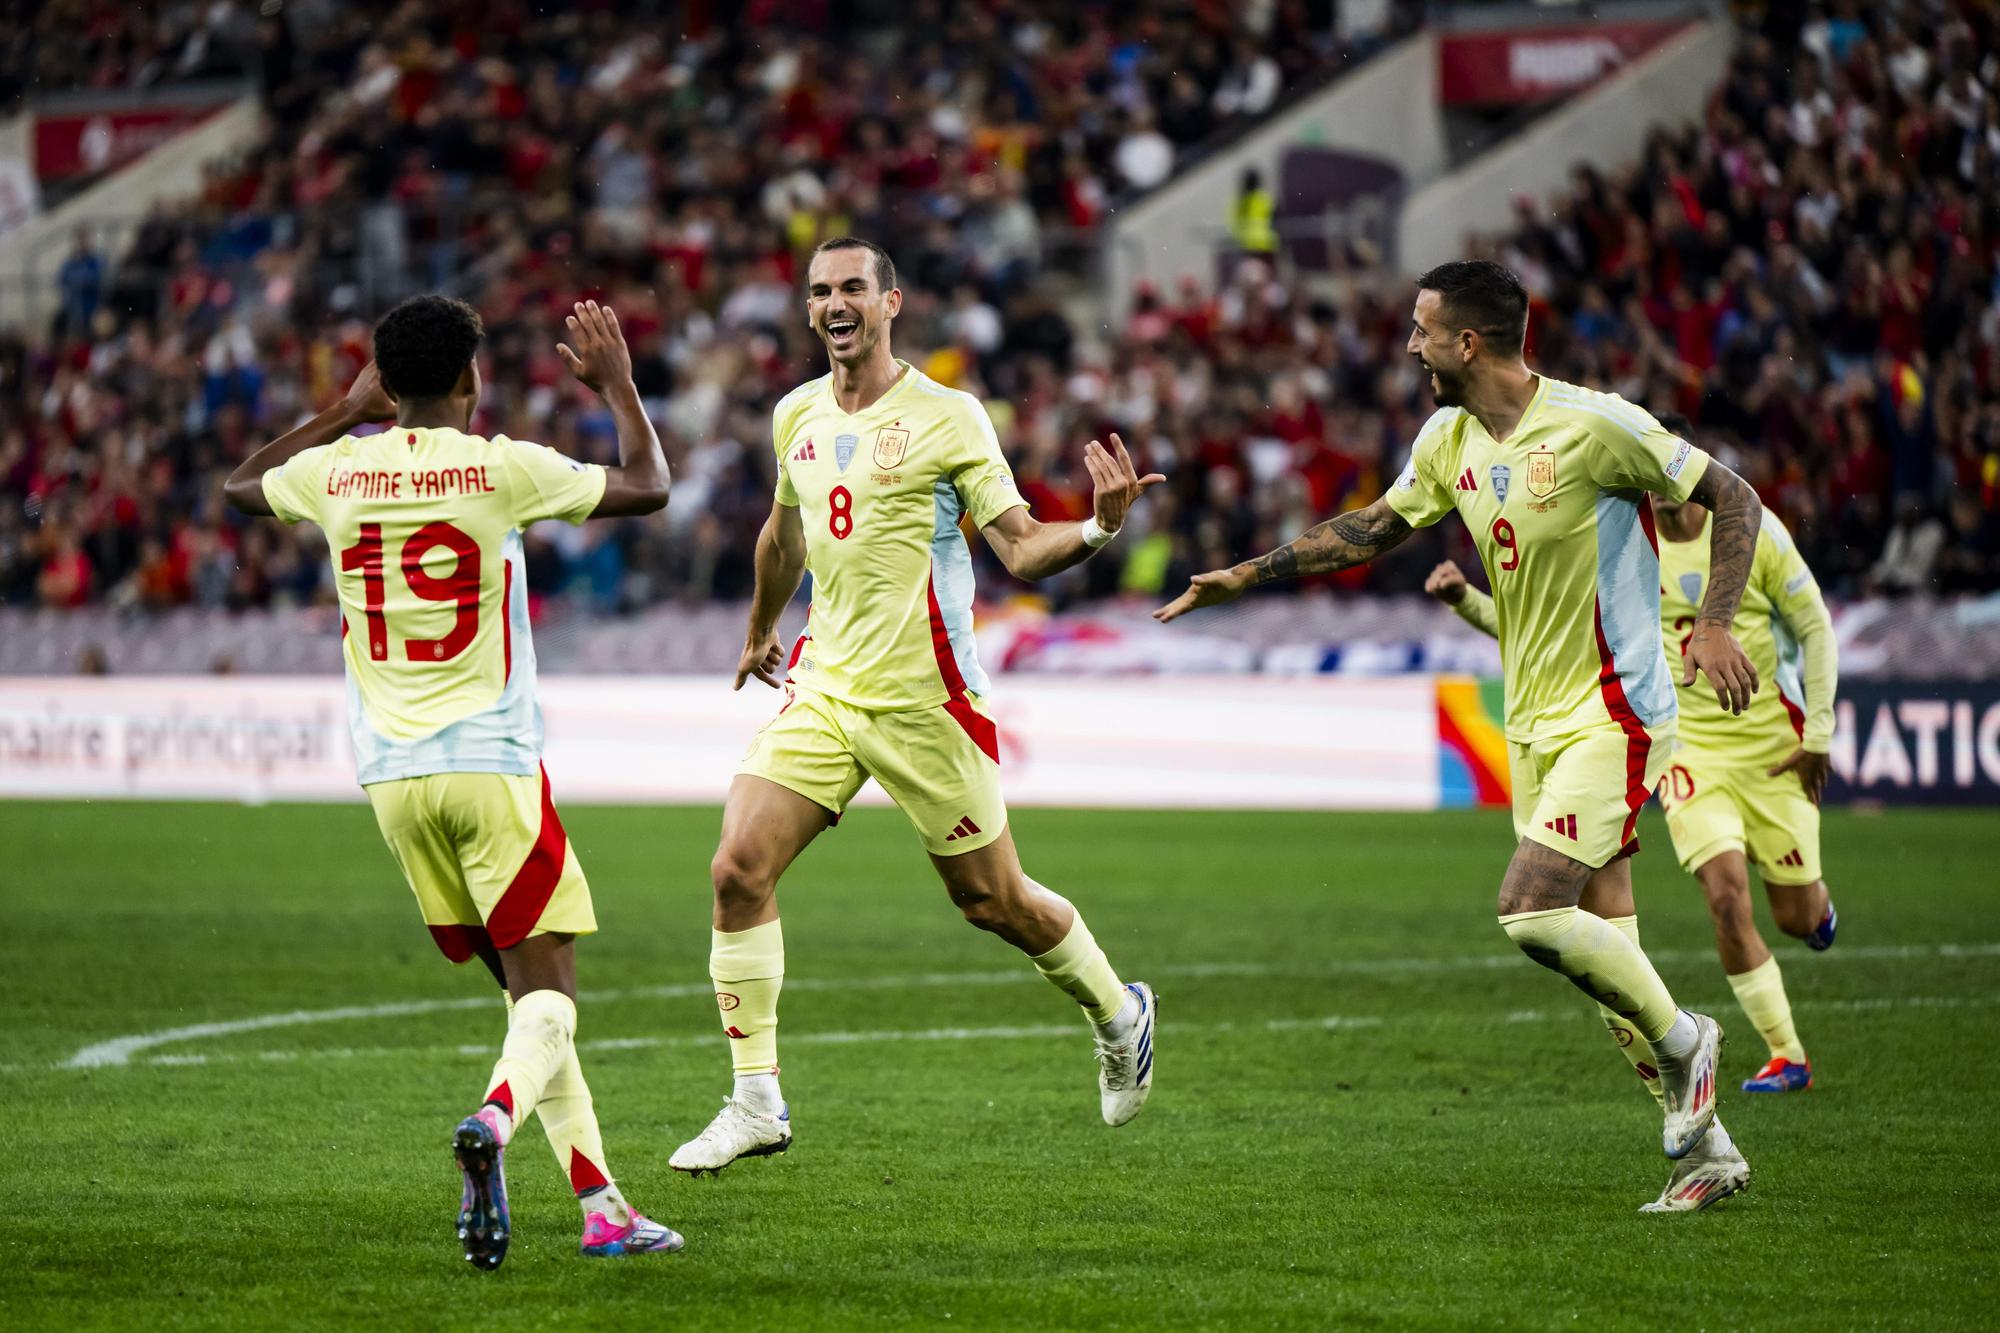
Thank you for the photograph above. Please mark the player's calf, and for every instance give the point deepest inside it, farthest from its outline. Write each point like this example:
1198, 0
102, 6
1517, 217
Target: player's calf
1804, 911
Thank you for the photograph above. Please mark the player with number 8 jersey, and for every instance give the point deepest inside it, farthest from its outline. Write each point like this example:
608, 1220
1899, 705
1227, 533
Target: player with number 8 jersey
877, 465
423, 522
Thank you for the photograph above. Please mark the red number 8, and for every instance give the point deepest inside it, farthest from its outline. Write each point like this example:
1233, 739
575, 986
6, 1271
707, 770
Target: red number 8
841, 521
1503, 533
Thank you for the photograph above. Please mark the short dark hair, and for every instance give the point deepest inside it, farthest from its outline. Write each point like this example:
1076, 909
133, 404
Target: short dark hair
424, 345
885, 267
1482, 296
1676, 424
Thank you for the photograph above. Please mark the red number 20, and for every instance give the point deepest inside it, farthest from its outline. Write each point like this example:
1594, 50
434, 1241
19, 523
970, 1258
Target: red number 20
461, 586
1503, 534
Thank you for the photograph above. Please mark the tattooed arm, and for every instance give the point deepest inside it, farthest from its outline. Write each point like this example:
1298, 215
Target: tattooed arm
1348, 539
1732, 543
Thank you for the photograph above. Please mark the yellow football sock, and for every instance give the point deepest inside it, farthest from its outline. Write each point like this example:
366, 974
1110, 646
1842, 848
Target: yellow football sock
541, 1031
1761, 992
569, 1118
748, 968
1079, 969
1601, 962
1634, 1047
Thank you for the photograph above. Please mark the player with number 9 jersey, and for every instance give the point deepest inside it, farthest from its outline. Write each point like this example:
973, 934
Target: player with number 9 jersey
1559, 515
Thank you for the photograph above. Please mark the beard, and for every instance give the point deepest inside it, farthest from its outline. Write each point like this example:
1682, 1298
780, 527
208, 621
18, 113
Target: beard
1448, 387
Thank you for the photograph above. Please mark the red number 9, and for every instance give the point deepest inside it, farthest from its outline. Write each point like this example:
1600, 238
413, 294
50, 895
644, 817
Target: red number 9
1503, 534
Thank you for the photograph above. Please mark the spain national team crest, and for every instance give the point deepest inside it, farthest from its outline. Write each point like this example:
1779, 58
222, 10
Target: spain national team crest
891, 443
843, 450
1541, 473
1501, 475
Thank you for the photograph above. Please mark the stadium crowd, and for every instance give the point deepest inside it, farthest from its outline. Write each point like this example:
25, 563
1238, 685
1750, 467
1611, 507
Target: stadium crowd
1811, 274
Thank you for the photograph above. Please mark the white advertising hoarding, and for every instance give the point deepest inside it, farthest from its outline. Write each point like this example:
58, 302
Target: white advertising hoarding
1149, 742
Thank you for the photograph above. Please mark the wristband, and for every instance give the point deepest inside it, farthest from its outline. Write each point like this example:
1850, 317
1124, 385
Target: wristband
1094, 536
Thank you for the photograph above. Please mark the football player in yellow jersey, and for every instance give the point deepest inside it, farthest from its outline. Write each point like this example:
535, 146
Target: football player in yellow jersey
1551, 479
423, 522
1741, 785
877, 467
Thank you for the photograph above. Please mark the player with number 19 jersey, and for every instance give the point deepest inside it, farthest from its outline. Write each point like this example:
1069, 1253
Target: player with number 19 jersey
423, 526
424, 530
1559, 515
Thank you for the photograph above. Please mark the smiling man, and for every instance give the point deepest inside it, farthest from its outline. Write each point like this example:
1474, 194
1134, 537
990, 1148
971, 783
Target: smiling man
1551, 479
877, 465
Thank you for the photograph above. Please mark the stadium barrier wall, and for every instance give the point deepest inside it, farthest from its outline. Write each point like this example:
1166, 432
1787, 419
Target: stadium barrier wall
1405, 742
1186, 742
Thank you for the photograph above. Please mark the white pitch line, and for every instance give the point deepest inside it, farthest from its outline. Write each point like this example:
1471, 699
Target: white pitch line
121, 1050
1327, 1023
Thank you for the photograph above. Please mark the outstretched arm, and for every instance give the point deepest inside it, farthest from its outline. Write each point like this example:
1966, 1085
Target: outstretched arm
1732, 544
780, 564
1342, 541
1034, 550
365, 401
600, 359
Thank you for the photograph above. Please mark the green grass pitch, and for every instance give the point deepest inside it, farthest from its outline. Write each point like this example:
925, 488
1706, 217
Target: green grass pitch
1369, 1109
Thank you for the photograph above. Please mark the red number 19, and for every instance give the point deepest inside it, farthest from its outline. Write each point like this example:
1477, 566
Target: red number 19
460, 586
1503, 534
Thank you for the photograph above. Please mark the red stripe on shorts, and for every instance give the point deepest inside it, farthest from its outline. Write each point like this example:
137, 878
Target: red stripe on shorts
984, 734
458, 943
1637, 742
520, 907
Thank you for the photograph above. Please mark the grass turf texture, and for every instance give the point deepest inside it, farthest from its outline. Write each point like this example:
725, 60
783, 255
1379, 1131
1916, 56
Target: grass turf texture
1461, 1146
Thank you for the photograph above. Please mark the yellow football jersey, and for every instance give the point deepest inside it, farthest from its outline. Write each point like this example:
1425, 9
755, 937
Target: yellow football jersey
1559, 515
880, 493
1777, 602
423, 528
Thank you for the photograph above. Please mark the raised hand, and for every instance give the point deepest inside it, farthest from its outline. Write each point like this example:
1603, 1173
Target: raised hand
1446, 583
761, 658
600, 356
1117, 482
366, 399
1210, 589
1715, 653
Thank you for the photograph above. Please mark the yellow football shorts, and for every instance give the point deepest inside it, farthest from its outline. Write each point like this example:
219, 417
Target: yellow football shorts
1580, 794
940, 765
484, 853
1715, 807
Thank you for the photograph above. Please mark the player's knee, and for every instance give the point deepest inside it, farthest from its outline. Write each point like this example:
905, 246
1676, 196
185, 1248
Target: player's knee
740, 882
985, 902
1728, 892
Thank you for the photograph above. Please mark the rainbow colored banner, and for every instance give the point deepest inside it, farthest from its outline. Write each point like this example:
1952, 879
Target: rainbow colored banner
1472, 749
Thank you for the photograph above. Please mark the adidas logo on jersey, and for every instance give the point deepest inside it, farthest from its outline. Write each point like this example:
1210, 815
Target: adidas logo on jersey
1563, 824
966, 828
1468, 482
804, 453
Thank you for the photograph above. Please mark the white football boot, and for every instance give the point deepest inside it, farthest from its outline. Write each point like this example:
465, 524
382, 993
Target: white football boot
1125, 1067
1689, 1086
735, 1132
1712, 1172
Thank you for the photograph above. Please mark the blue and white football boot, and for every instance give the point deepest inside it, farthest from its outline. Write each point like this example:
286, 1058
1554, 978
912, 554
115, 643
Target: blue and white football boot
1125, 1065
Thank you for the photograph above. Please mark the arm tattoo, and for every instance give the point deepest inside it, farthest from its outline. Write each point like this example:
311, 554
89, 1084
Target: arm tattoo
1348, 539
1732, 542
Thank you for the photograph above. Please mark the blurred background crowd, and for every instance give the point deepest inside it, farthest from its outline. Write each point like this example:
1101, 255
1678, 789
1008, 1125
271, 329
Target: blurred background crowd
1810, 274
